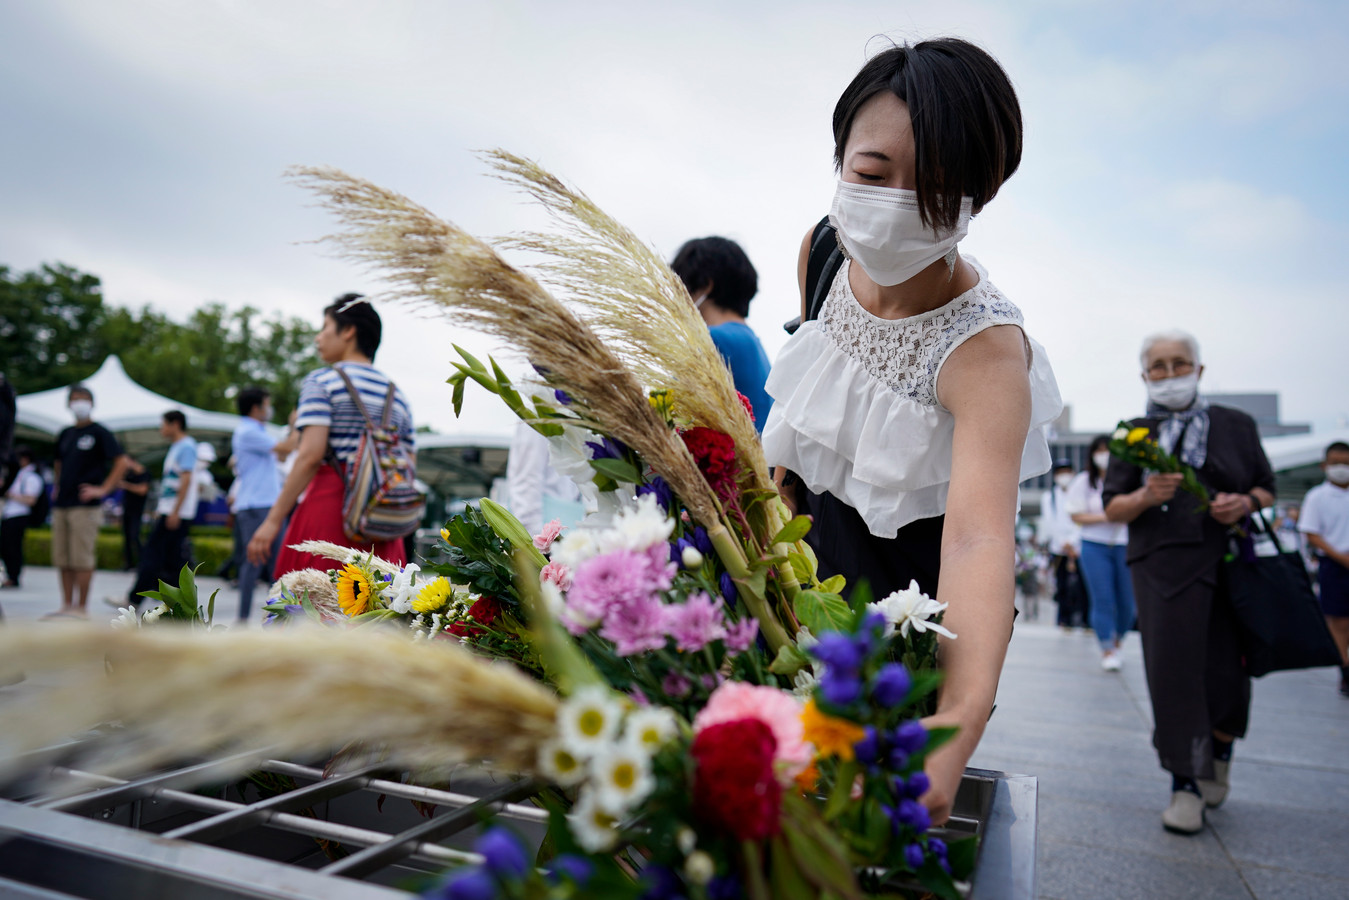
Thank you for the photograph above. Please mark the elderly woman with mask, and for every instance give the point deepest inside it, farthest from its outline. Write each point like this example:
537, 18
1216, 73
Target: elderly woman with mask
1191, 647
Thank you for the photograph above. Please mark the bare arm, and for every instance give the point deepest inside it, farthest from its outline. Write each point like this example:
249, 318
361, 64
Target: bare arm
98, 492
1087, 518
173, 520
985, 387
1319, 544
802, 266
313, 447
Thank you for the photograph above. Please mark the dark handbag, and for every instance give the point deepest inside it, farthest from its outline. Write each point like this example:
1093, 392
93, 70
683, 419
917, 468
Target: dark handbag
1281, 621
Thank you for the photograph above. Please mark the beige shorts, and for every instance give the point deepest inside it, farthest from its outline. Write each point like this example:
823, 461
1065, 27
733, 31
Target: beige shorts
74, 534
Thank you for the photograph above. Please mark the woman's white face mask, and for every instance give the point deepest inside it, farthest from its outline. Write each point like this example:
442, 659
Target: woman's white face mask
882, 230
1101, 459
1177, 392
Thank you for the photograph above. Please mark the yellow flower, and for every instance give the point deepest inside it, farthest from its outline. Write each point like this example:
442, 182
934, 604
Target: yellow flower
831, 736
354, 590
434, 597
808, 778
445, 535
1136, 435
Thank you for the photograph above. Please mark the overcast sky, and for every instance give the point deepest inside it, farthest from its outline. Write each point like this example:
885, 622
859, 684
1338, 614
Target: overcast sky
1184, 159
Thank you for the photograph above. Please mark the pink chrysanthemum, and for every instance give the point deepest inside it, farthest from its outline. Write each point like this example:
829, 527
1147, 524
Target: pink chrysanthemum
696, 622
558, 574
779, 710
605, 582
635, 625
740, 635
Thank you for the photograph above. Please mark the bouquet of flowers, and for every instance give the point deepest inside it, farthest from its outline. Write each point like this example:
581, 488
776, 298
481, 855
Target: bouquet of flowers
702, 715
1135, 445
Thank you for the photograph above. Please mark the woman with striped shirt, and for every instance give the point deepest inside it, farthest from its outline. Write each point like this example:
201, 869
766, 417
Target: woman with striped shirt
330, 427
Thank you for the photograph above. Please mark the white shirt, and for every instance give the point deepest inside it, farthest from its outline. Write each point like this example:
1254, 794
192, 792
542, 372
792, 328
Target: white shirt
1061, 531
1081, 498
27, 483
1325, 512
536, 492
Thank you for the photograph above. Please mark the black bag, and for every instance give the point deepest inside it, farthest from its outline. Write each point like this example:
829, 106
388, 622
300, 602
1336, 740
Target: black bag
1281, 621
822, 264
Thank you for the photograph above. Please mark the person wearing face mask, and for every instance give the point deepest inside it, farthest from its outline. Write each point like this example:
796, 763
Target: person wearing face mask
1325, 521
1063, 538
1192, 649
722, 281
911, 403
1104, 566
89, 466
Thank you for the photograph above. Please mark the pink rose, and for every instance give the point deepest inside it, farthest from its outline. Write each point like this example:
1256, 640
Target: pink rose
544, 539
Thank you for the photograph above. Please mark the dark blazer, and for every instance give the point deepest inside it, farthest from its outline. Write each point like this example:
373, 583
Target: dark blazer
1171, 547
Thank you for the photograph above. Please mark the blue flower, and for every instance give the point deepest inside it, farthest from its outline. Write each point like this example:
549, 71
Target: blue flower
502, 853
937, 846
661, 883
607, 448
898, 758
702, 541
562, 397
724, 887
294, 609
868, 749
474, 884
913, 814
577, 868
839, 652
728, 591
916, 787
910, 736
891, 685
913, 855
840, 688
657, 486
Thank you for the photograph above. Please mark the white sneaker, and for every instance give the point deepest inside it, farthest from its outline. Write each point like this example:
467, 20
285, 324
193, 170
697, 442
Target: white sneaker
1215, 791
1111, 661
1185, 815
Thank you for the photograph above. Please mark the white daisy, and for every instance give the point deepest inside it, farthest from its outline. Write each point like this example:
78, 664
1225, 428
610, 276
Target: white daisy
594, 828
621, 777
560, 765
910, 608
403, 589
649, 728
126, 618
589, 720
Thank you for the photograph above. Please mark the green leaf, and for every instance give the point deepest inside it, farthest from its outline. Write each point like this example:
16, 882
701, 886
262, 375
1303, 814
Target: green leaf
789, 661
793, 531
617, 469
457, 398
783, 875
801, 566
512, 530
934, 878
841, 797
821, 612
834, 584
210, 606
504, 388
961, 854
473, 362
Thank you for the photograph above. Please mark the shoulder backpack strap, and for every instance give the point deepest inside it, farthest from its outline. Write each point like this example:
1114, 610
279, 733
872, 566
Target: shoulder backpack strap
356, 397
386, 420
822, 264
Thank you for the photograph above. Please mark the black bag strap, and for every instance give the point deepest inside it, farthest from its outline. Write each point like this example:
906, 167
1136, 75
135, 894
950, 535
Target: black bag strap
822, 265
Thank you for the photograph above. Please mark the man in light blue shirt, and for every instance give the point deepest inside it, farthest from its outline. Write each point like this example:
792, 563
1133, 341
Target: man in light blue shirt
258, 482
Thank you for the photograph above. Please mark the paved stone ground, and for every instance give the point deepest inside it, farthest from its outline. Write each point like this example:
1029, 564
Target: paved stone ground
1086, 734
39, 593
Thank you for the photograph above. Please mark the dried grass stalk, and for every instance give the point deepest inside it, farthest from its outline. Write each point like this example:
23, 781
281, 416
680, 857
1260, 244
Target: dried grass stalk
632, 299
430, 261
329, 550
297, 692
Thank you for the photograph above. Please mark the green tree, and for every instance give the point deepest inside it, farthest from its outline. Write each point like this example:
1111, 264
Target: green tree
49, 326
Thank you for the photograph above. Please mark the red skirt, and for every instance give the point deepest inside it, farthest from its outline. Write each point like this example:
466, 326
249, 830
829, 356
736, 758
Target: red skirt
318, 517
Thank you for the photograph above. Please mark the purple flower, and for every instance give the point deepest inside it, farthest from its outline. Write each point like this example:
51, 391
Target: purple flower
702, 541
562, 397
868, 749
606, 582
728, 591
635, 625
657, 486
937, 847
913, 814
294, 609
724, 887
675, 685
891, 685
502, 853
839, 652
607, 448
475, 884
660, 883
840, 688
910, 736
658, 573
913, 855
898, 757
740, 636
577, 868
916, 786
696, 622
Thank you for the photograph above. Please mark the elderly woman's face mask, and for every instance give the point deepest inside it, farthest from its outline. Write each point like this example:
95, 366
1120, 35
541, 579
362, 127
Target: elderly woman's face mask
1172, 378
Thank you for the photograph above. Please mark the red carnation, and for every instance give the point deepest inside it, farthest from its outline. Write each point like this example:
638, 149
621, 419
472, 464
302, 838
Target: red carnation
714, 453
483, 612
734, 787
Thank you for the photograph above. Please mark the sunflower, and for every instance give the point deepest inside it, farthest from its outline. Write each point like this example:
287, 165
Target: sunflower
434, 597
354, 590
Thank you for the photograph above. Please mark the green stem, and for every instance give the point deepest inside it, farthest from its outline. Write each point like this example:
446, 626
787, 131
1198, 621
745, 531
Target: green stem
733, 558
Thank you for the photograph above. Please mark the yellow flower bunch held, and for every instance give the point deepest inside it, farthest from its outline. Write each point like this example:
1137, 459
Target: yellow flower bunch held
1136, 446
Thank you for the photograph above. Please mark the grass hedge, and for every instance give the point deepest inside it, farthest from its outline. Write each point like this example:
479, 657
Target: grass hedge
211, 550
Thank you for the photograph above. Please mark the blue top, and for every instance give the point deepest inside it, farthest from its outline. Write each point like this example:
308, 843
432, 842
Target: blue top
324, 400
259, 477
749, 365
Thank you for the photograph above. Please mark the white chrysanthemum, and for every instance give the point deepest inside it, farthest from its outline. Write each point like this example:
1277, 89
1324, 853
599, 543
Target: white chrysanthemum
650, 728
126, 618
803, 684
639, 526
805, 640
621, 777
588, 721
910, 608
594, 827
152, 615
576, 546
560, 765
403, 589
1120, 434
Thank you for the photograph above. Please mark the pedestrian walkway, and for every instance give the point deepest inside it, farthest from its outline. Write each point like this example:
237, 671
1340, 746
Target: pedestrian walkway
39, 593
1086, 734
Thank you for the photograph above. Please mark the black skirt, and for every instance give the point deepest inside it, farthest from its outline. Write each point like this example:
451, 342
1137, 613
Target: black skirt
845, 546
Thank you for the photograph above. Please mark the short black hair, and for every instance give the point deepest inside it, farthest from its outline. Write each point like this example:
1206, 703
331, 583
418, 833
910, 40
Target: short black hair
250, 398
353, 311
1339, 446
78, 388
722, 263
966, 121
23, 451
176, 417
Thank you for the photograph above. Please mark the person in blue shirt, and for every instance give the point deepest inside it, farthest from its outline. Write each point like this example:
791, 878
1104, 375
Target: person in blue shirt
165, 551
722, 281
258, 482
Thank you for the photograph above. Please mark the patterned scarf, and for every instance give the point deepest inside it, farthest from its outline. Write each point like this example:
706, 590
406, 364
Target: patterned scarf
1191, 422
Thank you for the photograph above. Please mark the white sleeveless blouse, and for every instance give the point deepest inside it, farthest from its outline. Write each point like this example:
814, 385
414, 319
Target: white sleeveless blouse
855, 409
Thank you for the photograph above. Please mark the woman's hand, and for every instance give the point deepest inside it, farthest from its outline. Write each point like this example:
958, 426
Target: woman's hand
1161, 488
1229, 509
260, 545
945, 767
